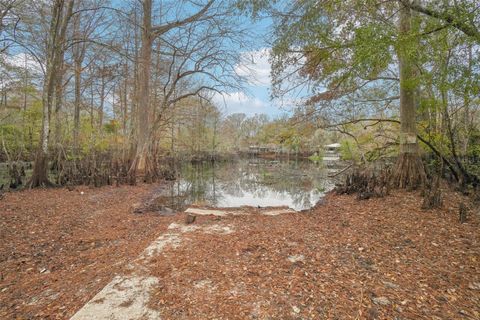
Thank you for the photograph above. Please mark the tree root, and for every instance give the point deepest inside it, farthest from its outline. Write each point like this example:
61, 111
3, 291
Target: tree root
409, 172
366, 184
40, 173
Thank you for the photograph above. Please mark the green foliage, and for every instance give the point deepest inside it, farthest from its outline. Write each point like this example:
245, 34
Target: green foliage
33, 114
111, 127
254, 7
349, 151
316, 157
10, 135
474, 145
372, 53
20, 130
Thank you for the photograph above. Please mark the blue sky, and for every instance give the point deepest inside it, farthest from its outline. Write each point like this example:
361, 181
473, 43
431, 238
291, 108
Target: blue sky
255, 98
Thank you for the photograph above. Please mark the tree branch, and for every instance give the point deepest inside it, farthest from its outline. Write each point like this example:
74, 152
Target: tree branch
159, 30
453, 20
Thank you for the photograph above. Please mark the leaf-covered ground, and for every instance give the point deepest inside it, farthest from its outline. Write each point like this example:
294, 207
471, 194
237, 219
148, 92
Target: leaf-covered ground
346, 259
375, 259
59, 247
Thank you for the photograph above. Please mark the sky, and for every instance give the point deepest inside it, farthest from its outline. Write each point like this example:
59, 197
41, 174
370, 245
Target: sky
255, 66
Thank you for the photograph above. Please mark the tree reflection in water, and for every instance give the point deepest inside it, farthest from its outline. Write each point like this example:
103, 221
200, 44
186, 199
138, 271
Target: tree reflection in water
254, 182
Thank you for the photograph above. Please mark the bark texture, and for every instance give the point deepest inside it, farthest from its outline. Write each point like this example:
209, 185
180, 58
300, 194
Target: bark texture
61, 13
78, 52
409, 171
140, 165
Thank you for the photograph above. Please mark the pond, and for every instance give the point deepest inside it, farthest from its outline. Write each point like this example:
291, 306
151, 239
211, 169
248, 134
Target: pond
249, 182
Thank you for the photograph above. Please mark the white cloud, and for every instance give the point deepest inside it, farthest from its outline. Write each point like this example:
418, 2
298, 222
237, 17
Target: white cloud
239, 102
255, 67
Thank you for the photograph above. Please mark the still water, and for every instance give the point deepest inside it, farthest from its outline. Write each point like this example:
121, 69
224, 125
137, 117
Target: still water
253, 182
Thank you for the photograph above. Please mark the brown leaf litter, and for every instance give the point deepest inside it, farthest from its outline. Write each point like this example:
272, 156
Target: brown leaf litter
346, 259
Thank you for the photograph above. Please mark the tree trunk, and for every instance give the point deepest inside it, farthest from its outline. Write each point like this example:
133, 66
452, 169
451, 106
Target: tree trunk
102, 102
77, 102
58, 103
54, 51
40, 168
40, 171
409, 171
78, 52
124, 100
141, 163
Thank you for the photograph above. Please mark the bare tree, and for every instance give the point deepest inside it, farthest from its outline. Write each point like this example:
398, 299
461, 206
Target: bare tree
141, 163
6, 9
61, 14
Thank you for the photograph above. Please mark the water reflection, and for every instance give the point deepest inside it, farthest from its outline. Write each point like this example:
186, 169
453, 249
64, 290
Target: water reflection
255, 182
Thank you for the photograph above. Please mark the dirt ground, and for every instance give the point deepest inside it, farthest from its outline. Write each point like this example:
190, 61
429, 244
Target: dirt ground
346, 259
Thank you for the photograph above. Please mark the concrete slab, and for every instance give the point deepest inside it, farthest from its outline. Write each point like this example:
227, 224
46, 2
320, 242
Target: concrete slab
276, 212
212, 229
157, 246
124, 298
223, 213
207, 212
